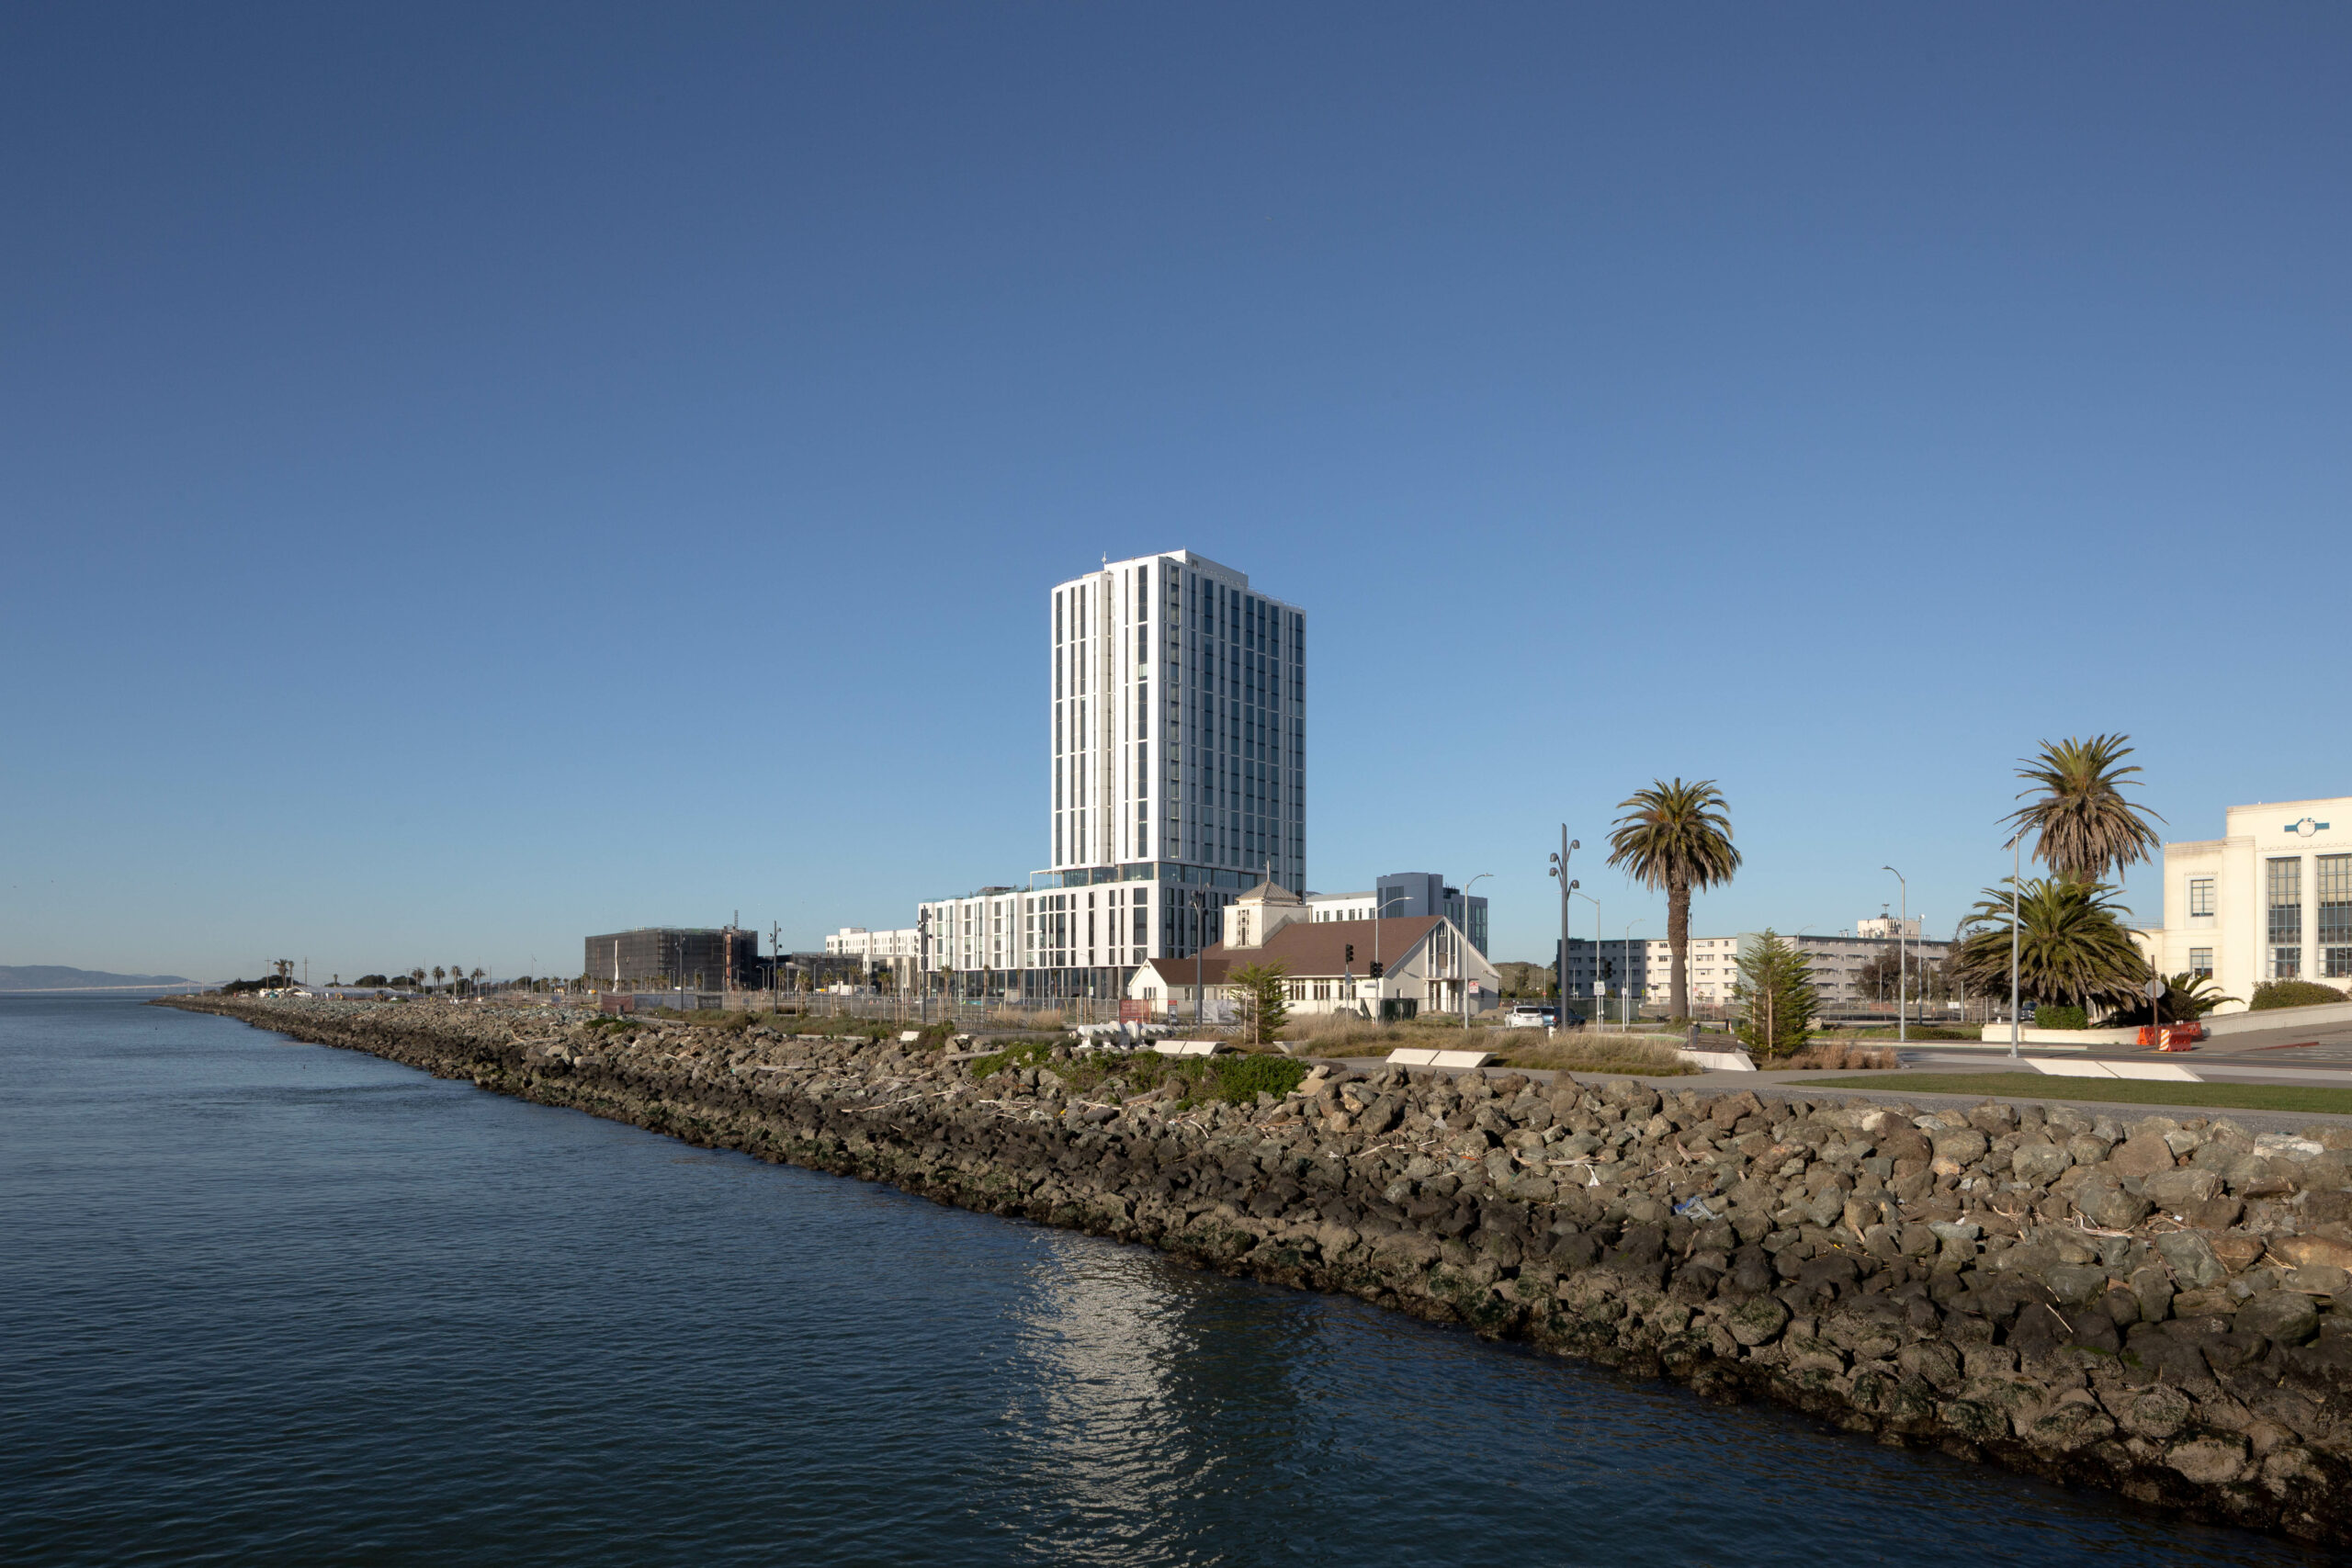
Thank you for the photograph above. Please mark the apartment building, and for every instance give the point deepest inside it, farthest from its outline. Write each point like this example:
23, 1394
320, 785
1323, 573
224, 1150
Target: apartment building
1713, 973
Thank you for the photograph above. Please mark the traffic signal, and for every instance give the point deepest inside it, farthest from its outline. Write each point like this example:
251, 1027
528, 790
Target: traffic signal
1609, 969
1376, 968
1352, 952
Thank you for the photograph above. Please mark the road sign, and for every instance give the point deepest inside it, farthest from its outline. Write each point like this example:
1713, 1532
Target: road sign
2152, 989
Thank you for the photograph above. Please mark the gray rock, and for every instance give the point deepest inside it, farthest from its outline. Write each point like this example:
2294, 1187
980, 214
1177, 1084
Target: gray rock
2175, 1191
2141, 1155
2287, 1317
1757, 1320
2208, 1462
2039, 1164
2076, 1284
1962, 1147
2109, 1208
2083, 1148
2192, 1259
2155, 1414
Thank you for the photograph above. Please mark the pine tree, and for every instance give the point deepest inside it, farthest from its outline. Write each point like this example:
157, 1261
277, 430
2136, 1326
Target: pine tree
1263, 991
1777, 997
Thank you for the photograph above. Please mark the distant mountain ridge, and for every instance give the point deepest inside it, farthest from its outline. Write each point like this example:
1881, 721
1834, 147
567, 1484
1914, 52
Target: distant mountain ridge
64, 977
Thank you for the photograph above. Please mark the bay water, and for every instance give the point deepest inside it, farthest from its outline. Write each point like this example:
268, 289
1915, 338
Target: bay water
266, 1303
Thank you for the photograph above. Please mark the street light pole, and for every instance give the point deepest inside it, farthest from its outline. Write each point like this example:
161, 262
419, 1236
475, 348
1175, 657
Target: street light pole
1463, 937
1560, 870
1902, 960
1625, 951
2017, 869
1199, 926
1600, 996
1380, 974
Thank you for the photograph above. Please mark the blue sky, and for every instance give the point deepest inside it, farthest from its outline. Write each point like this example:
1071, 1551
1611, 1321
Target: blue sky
471, 477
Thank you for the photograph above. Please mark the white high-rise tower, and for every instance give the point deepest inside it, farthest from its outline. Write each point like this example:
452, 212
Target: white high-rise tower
1179, 724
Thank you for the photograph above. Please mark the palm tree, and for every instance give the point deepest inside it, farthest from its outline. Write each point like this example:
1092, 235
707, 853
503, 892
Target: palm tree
2071, 948
2190, 996
1674, 836
2083, 827
438, 973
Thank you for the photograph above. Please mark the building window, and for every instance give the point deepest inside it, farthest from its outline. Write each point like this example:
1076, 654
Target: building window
2200, 895
2332, 879
2283, 885
2201, 962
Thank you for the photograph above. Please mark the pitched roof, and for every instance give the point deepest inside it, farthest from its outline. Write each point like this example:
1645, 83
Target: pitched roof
1308, 948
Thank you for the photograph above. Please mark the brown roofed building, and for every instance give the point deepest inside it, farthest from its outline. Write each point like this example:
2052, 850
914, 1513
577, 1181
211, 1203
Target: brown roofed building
1420, 961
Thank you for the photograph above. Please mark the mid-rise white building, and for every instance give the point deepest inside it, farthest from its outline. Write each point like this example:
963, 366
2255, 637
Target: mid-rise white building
1177, 776
1712, 975
2271, 900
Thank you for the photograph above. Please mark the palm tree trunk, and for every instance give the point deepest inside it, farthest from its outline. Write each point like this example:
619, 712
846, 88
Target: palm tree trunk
1678, 938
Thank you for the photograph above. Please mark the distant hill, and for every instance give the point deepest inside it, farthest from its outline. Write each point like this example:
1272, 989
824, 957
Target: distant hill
63, 977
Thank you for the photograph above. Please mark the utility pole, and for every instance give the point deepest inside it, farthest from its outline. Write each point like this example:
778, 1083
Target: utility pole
1902, 959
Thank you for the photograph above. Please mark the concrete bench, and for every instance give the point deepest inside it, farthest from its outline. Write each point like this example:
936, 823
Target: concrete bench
2165, 1072
1416, 1057
1191, 1048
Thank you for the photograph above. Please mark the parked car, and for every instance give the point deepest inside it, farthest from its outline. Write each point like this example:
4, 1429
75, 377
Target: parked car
1537, 1015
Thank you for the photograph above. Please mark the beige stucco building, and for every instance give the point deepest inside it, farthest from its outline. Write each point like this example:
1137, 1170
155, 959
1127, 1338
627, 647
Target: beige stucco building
2271, 900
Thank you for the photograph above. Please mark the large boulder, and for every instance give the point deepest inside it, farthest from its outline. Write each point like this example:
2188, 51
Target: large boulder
2039, 1164
2176, 1191
2287, 1317
2141, 1155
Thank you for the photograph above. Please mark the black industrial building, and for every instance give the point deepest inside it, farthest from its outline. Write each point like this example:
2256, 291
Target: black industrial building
724, 959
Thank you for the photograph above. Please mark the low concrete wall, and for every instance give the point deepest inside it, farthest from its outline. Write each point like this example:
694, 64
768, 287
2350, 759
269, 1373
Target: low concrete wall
1998, 1035
2327, 1015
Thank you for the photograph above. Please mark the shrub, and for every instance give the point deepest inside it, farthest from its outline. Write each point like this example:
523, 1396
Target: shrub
1240, 1080
1839, 1057
2292, 994
2053, 1017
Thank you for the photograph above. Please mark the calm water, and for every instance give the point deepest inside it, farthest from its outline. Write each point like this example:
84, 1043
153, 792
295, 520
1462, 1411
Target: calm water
265, 1303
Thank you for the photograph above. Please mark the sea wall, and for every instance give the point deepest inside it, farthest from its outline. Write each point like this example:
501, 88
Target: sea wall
2159, 1306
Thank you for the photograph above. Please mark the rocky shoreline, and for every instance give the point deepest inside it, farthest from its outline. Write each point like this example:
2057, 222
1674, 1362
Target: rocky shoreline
2151, 1305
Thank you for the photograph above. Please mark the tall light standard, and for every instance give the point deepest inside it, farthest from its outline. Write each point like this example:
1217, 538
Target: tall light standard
1601, 995
1463, 937
1625, 951
1199, 926
1560, 869
2017, 870
1901, 962
1380, 970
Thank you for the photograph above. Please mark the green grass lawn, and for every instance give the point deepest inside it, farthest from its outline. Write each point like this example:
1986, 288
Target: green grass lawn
2125, 1091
